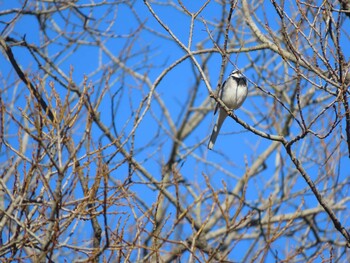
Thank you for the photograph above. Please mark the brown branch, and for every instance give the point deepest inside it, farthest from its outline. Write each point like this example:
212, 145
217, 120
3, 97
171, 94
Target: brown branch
318, 195
26, 81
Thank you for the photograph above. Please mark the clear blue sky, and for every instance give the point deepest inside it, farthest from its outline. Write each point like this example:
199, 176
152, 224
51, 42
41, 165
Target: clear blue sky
235, 149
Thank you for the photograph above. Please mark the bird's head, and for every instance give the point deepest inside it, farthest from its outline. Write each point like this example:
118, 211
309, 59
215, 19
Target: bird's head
236, 74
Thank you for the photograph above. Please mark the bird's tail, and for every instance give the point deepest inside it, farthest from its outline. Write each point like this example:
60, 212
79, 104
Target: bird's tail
217, 127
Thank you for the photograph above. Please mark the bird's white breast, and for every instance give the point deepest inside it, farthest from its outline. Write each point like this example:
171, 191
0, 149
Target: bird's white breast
234, 95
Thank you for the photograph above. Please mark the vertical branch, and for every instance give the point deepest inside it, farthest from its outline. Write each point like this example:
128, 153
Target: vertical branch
347, 116
226, 38
343, 89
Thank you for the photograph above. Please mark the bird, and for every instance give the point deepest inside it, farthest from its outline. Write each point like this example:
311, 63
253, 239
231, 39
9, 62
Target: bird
233, 93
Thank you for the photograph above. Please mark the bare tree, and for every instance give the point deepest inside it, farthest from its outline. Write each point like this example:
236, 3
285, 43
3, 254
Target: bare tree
106, 108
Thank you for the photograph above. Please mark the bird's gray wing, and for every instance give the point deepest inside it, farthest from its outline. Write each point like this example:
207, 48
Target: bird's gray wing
220, 96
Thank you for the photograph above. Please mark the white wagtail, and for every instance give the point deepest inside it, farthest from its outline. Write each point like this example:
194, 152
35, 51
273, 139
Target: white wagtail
233, 92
